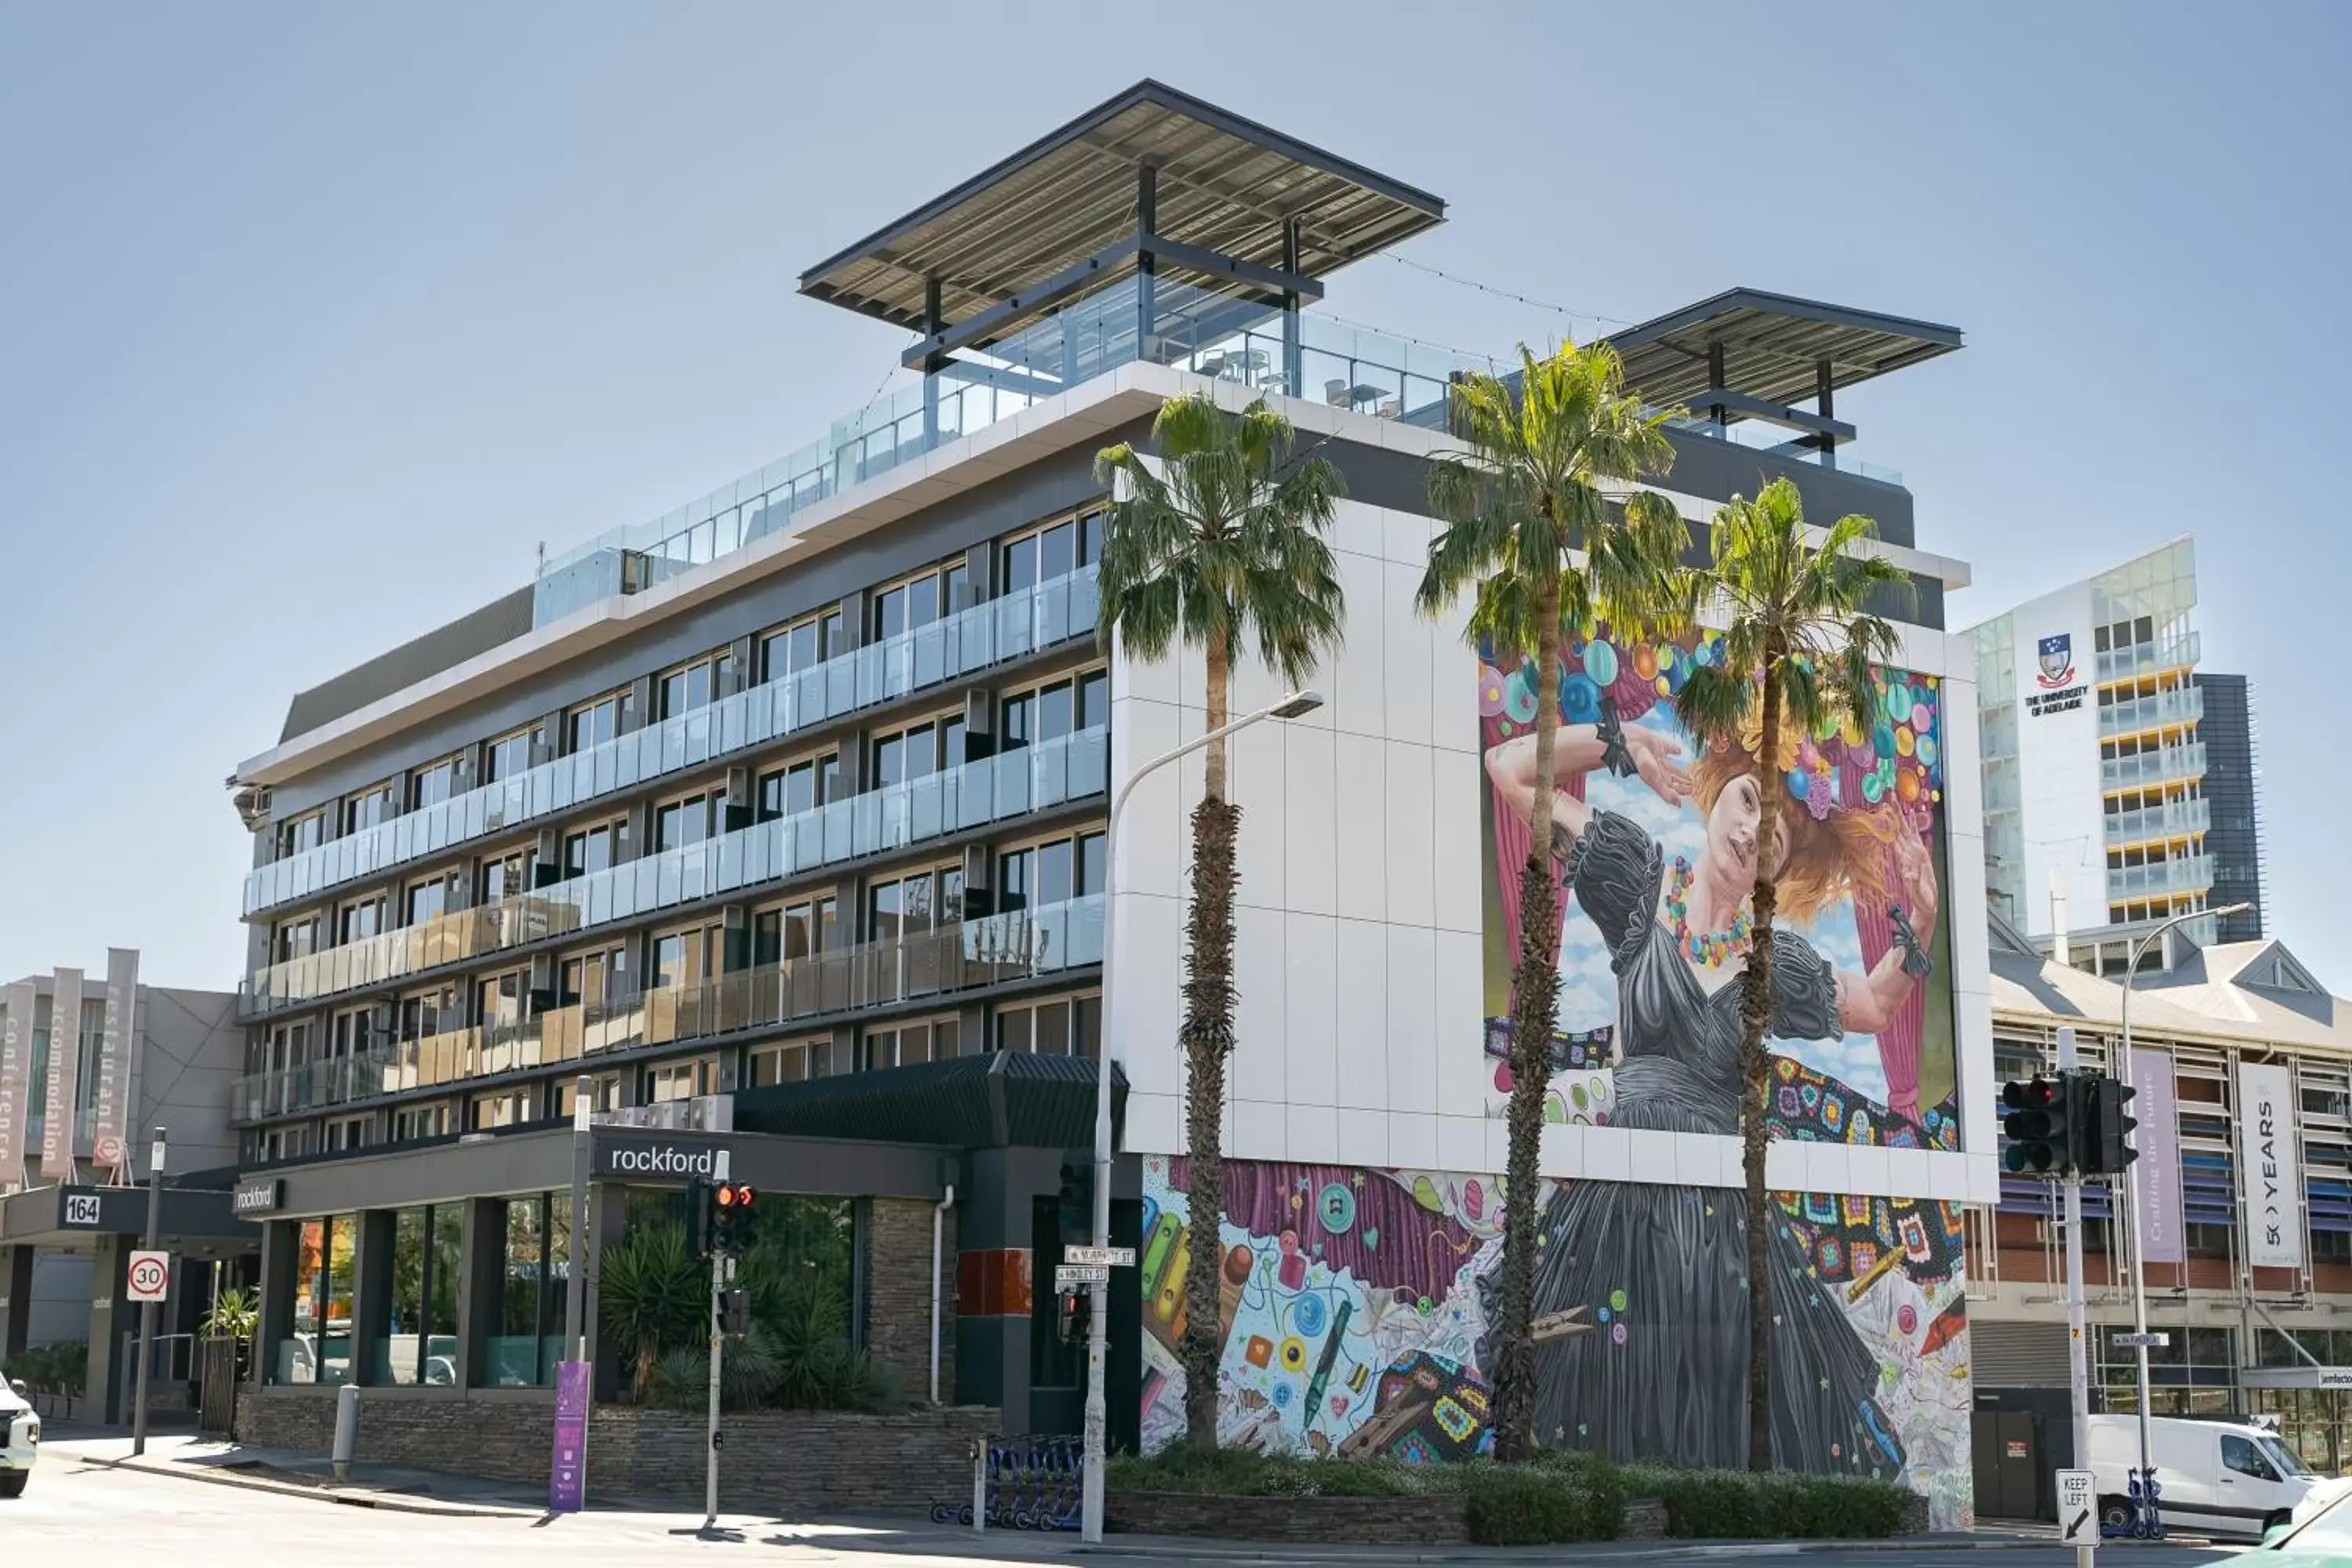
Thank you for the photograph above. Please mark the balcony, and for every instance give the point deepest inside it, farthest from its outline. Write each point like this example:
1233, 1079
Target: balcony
1072, 767
2168, 765
2180, 873
1018, 624
2178, 652
2158, 710
2173, 819
966, 956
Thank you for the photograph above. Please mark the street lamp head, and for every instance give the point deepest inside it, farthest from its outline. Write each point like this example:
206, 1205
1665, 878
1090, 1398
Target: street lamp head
1297, 705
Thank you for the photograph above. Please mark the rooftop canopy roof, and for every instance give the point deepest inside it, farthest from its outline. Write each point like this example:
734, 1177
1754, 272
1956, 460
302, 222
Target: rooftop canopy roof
1773, 347
1224, 187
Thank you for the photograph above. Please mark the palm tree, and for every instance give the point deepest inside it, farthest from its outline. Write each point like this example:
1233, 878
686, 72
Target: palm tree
1221, 547
1799, 627
1529, 529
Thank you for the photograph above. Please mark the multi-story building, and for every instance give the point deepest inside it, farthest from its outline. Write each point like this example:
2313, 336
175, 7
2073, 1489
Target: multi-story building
72, 1198
2233, 793
780, 822
2098, 752
2241, 1058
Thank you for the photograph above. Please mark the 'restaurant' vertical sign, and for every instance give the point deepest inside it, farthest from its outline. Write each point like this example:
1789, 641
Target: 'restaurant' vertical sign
118, 1057
57, 1117
15, 1082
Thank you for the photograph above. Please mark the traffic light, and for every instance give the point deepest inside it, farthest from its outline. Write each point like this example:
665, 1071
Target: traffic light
734, 1312
1075, 1205
731, 1211
1072, 1308
2043, 1123
2108, 1144
701, 1232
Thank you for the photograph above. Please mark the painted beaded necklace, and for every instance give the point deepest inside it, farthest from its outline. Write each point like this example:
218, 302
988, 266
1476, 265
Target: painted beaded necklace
1702, 947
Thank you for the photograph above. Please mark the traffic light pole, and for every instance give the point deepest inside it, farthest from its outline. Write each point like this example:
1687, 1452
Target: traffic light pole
2078, 1374
718, 1351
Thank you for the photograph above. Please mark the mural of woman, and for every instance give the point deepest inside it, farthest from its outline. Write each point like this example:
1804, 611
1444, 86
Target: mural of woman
1665, 1268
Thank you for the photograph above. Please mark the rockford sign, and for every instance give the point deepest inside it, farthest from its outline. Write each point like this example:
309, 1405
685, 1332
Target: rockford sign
656, 1156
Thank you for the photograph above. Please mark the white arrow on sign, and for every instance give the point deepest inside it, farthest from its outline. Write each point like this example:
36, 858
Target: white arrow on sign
1070, 1275
2078, 1524
150, 1277
1100, 1257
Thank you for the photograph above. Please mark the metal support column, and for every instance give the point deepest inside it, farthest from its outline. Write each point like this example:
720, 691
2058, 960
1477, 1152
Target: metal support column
1293, 359
1825, 400
931, 325
2078, 1371
1147, 219
1715, 382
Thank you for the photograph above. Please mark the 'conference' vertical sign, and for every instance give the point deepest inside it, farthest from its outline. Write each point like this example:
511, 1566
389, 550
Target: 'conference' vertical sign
15, 1082
57, 1116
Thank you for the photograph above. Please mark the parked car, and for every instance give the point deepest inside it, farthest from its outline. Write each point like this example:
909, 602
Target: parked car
2316, 1538
20, 1439
2214, 1477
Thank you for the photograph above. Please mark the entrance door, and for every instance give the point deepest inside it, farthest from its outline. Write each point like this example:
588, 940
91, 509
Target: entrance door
2007, 1453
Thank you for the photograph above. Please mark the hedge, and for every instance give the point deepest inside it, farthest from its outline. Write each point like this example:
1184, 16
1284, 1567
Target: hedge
1742, 1505
1560, 1497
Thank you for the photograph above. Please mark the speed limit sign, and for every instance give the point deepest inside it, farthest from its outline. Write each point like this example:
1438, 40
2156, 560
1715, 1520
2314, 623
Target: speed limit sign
151, 1276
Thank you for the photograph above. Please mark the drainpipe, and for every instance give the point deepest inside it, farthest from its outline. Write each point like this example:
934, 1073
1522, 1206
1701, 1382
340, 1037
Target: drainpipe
939, 1230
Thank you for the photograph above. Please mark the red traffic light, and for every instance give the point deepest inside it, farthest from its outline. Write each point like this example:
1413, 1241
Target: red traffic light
732, 1195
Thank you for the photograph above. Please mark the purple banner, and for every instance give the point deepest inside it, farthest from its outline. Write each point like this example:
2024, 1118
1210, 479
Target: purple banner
567, 1485
2158, 1170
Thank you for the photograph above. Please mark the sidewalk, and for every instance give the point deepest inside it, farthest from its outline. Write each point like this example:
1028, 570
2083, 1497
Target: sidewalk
192, 1456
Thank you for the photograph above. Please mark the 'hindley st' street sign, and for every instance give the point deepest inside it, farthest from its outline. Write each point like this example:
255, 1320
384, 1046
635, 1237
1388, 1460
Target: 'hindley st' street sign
1070, 1275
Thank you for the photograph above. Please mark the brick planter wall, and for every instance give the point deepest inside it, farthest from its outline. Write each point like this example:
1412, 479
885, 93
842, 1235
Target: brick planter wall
1329, 1520
793, 1463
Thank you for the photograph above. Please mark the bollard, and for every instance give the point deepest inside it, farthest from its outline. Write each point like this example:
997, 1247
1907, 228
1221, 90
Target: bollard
347, 1430
979, 1485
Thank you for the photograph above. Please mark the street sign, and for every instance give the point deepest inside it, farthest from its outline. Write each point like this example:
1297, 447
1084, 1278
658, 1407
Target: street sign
2155, 1342
1070, 1275
150, 1277
1100, 1257
85, 1208
2078, 1509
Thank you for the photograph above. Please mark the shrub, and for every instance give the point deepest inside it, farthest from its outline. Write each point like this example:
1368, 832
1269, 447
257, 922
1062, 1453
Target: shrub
1234, 1472
1736, 1505
60, 1367
1560, 1498
1522, 1505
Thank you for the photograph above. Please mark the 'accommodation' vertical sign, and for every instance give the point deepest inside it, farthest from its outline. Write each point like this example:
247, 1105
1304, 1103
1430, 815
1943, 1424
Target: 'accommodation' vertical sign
58, 1109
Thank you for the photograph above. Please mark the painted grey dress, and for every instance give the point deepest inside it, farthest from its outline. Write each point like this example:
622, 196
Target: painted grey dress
1661, 1270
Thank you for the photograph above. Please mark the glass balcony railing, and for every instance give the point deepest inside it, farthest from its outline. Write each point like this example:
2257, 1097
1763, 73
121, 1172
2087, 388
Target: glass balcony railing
2182, 874
2178, 652
2173, 819
960, 956
2161, 709
1073, 767
2162, 766
1002, 630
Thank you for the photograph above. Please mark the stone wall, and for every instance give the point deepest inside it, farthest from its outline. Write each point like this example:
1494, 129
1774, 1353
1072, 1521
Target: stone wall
1435, 1521
897, 1264
793, 1463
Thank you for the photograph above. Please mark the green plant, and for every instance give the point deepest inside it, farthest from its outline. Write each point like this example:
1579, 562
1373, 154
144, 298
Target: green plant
1798, 654
652, 1296
61, 1366
235, 1313
1224, 541
1530, 533
748, 1375
1521, 1505
1742, 1505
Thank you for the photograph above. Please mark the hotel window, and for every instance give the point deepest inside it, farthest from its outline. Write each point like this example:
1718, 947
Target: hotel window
689, 1079
912, 905
1054, 551
349, 1132
359, 919
1050, 711
293, 939
432, 783
794, 931
917, 750
367, 808
687, 821
1057, 1026
683, 957
604, 1096
800, 786
908, 1044
351, 1033
1036, 875
795, 1061
425, 1013
919, 600
506, 1107
505, 756
427, 1259
803, 645
503, 877
497, 1001
593, 849
591, 723
429, 898
414, 1121
692, 686
301, 833
592, 977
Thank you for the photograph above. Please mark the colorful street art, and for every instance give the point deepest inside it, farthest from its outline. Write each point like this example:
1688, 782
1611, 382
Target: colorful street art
1354, 1310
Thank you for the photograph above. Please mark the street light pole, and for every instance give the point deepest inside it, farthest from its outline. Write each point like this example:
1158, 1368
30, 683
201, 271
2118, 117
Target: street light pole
2122, 1070
1098, 1315
147, 1308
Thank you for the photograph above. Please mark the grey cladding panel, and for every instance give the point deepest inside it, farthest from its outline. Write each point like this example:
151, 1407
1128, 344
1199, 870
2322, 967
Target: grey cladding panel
501, 620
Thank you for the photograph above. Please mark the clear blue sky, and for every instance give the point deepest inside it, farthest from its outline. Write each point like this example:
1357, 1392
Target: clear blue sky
317, 318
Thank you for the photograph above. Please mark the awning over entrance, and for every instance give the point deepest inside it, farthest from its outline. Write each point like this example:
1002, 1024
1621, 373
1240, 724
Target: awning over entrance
195, 1220
2295, 1377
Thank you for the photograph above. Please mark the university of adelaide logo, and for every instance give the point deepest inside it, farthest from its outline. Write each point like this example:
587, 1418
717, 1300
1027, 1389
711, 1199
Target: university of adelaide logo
2057, 656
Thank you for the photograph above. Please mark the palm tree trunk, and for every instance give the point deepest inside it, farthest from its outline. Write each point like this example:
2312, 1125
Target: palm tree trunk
1755, 1017
1535, 1006
1208, 1039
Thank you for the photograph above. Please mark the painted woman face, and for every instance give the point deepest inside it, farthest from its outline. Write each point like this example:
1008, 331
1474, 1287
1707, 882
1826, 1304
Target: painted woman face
1731, 828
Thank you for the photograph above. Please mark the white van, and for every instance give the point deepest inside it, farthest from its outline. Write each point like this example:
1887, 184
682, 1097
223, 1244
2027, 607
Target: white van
20, 1439
2213, 1477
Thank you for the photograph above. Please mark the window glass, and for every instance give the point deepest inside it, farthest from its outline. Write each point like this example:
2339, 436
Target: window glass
1055, 711
890, 611
1016, 721
2240, 1455
1093, 699
1057, 552
427, 901
367, 808
1021, 564
593, 723
506, 756
432, 785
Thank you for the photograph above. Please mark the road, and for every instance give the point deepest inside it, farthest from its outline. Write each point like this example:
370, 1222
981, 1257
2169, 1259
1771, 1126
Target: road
76, 1510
